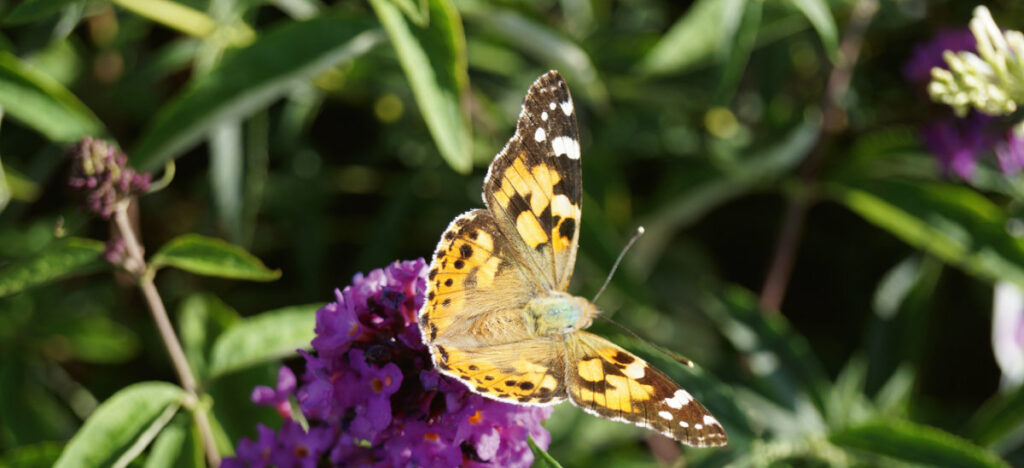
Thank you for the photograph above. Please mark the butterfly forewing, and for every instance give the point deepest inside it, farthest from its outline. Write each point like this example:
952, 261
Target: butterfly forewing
608, 381
533, 186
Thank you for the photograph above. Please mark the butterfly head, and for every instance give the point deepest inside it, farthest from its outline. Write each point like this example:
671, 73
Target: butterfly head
558, 313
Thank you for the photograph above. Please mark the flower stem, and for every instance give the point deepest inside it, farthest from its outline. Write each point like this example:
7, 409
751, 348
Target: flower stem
137, 267
834, 121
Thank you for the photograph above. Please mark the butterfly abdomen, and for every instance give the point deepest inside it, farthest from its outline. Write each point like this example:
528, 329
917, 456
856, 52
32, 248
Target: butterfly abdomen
558, 314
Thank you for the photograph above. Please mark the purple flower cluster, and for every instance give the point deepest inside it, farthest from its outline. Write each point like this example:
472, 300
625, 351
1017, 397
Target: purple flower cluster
373, 398
101, 173
958, 143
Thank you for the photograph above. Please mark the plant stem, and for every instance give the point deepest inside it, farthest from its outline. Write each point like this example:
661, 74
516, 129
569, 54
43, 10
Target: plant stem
137, 267
834, 121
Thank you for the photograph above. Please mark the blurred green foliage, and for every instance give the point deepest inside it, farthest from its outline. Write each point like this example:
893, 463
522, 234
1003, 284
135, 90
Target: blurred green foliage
328, 139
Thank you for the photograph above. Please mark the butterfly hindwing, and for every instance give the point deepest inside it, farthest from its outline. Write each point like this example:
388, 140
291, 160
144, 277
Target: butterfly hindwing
530, 372
533, 186
608, 381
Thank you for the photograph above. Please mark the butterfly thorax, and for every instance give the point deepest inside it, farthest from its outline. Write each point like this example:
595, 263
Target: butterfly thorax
558, 314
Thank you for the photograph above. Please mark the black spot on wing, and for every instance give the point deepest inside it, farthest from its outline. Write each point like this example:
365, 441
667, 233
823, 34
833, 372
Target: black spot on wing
567, 228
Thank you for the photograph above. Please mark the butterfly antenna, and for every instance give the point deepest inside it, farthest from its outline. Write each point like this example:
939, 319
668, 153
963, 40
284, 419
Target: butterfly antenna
664, 351
639, 232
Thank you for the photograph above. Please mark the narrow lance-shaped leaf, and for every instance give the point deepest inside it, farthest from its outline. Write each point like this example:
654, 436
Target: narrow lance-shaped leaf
61, 259
914, 443
28, 11
694, 39
250, 79
113, 428
42, 103
954, 223
210, 256
264, 337
820, 17
545, 45
434, 62
542, 458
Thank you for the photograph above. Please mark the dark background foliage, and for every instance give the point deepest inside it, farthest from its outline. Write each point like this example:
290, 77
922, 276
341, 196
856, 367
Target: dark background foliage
699, 120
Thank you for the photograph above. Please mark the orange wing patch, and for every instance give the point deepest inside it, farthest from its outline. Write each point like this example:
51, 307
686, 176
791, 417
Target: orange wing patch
613, 383
523, 373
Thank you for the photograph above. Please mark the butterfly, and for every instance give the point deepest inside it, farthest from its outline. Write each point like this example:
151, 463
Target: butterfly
498, 316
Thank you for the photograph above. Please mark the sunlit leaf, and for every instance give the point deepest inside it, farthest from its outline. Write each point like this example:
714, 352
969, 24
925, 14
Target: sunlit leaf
434, 62
119, 422
210, 256
60, 259
249, 80
42, 103
264, 337
952, 222
914, 443
176, 446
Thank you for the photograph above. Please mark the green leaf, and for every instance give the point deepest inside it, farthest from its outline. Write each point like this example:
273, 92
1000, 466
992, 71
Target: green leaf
42, 103
98, 339
119, 423
741, 45
545, 45
210, 256
28, 11
818, 14
61, 259
780, 358
694, 39
251, 79
541, 458
709, 186
954, 223
38, 455
200, 318
999, 424
265, 337
176, 446
915, 443
434, 62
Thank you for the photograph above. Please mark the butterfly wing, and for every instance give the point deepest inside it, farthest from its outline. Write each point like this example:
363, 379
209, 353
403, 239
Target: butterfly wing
534, 186
607, 381
530, 372
472, 320
474, 286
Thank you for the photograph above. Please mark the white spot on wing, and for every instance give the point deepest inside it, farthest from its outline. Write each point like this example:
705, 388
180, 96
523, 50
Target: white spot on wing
634, 370
552, 105
544, 116
539, 135
567, 146
698, 426
680, 398
567, 107
665, 415
710, 420
684, 424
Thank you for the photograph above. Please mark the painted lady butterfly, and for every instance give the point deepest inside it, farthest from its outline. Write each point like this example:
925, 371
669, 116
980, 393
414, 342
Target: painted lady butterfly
498, 316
